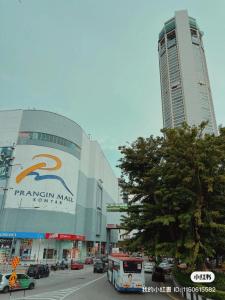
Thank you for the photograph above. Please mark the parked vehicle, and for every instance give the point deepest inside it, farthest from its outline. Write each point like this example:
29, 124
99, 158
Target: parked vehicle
60, 265
38, 271
54, 267
75, 265
158, 274
23, 282
126, 273
99, 266
166, 266
88, 261
64, 264
105, 259
148, 267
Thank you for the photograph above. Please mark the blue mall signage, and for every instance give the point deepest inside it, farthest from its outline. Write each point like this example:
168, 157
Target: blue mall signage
22, 235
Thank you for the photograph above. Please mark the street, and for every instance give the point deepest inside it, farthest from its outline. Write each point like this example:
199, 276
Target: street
79, 284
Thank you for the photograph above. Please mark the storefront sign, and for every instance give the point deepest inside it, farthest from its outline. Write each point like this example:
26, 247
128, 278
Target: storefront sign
65, 236
112, 226
119, 207
22, 235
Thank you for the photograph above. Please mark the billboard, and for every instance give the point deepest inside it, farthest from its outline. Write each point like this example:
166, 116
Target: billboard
47, 179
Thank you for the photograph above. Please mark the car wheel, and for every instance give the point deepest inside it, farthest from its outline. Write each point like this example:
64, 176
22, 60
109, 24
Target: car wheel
31, 286
6, 289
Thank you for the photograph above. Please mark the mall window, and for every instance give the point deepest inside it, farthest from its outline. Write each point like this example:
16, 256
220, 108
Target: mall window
99, 222
99, 209
99, 197
29, 137
49, 253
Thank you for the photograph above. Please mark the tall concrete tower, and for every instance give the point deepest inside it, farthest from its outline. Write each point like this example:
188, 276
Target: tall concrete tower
185, 88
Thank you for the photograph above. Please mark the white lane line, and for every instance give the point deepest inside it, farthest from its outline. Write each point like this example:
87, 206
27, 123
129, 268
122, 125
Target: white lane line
60, 294
42, 298
85, 284
52, 294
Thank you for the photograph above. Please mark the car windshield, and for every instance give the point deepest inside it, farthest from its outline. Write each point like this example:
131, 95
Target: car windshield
0, 277
132, 267
31, 268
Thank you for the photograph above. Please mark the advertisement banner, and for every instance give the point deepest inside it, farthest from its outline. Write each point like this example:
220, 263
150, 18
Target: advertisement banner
47, 181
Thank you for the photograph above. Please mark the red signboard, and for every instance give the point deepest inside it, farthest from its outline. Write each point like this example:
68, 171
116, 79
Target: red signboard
112, 226
64, 236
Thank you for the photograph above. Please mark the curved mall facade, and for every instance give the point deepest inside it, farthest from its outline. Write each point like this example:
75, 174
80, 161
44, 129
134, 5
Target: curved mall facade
54, 186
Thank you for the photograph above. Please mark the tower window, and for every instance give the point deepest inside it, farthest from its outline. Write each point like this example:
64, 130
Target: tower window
171, 35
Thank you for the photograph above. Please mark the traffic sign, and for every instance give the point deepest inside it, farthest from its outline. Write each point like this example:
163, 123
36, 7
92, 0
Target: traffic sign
15, 262
12, 279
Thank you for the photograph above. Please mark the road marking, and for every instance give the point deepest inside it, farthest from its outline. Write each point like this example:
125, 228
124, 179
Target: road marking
60, 294
83, 285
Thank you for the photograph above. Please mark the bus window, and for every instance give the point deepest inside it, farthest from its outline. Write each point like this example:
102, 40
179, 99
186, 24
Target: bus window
132, 267
116, 266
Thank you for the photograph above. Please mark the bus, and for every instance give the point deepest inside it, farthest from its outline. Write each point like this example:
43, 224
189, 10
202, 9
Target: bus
126, 273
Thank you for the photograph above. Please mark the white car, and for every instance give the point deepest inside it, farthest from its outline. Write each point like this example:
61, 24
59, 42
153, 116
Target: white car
148, 267
23, 282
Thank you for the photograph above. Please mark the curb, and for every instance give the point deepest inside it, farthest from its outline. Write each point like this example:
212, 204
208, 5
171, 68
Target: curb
172, 297
189, 295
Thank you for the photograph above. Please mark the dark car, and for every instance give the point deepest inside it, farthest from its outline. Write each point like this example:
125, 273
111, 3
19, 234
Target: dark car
158, 274
105, 259
167, 266
99, 266
38, 271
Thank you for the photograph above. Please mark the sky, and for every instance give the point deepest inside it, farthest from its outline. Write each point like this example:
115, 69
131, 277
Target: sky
96, 62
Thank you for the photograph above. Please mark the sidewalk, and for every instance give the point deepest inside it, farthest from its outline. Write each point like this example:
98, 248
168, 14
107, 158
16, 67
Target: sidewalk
20, 268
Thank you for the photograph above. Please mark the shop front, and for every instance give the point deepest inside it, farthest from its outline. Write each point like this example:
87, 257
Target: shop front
19, 244
67, 246
5, 246
40, 247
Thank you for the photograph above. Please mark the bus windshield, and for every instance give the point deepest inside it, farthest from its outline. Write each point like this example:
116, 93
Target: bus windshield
132, 267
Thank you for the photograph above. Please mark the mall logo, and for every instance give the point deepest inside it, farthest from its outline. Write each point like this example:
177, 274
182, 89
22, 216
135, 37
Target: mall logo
31, 171
202, 277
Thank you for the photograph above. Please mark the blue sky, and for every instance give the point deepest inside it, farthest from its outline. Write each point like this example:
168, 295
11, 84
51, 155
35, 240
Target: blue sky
96, 62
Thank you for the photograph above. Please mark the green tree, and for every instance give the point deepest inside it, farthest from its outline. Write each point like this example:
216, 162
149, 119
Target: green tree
177, 183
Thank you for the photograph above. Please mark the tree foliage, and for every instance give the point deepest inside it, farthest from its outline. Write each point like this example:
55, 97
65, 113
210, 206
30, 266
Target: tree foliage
177, 183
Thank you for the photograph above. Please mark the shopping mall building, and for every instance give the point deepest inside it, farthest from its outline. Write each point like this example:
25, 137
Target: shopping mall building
55, 184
